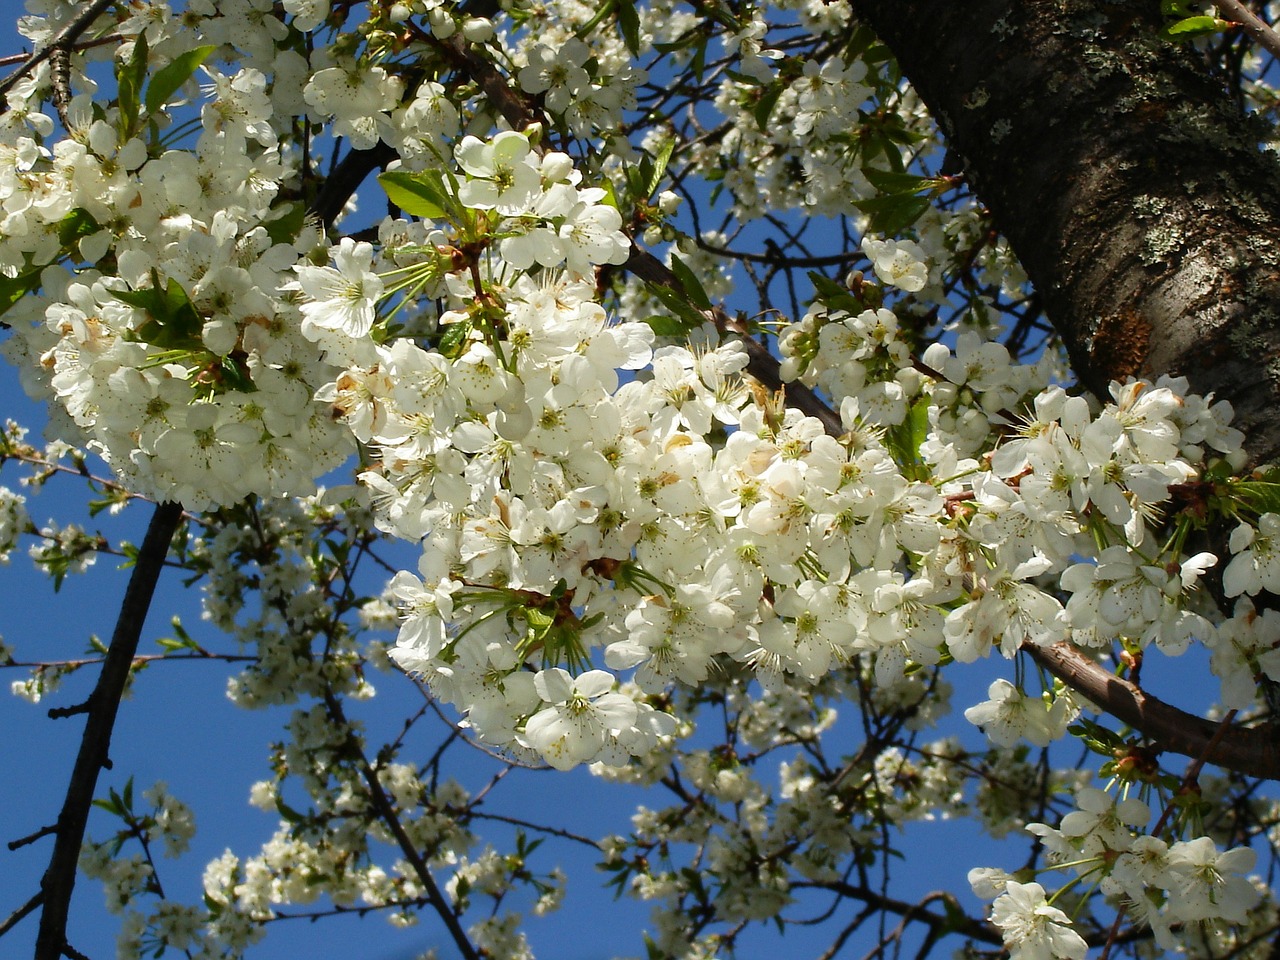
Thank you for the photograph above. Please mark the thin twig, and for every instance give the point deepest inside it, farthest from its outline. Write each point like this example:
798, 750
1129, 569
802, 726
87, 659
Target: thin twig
64, 38
1252, 24
32, 837
387, 813
59, 879
16, 917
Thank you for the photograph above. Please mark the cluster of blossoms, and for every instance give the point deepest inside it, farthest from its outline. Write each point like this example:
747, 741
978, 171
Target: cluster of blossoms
607, 510
1163, 884
173, 350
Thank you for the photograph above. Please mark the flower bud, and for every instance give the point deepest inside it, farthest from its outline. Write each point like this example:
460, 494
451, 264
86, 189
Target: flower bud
442, 25
478, 30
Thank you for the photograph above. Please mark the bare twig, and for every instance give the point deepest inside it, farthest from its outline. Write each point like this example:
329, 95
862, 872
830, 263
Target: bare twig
61, 41
32, 837
1252, 24
60, 877
16, 917
387, 813
951, 921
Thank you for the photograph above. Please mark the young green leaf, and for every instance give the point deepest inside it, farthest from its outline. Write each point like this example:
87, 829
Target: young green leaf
13, 289
659, 169
768, 100
678, 305
129, 77
892, 215
690, 282
417, 194
169, 79
629, 24
76, 224
1192, 27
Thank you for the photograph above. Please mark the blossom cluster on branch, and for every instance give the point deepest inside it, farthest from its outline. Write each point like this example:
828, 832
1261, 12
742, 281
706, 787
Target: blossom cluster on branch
622, 512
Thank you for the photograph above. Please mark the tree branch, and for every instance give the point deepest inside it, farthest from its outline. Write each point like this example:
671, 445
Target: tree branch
60, 877
64, 38
16, 917
973, 929
1252, 24
1253, 751
387, 813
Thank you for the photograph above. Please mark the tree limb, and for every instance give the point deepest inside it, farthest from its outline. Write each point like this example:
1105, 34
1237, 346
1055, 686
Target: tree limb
1252, 24
1129, 184
387, 814
61, 41
1253, 751
60, 877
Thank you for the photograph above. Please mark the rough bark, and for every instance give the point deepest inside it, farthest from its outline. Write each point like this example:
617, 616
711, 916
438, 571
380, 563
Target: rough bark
1129, 185
1146, 215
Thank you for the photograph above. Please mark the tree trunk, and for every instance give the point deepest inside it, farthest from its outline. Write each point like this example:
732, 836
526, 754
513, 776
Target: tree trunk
1127, 182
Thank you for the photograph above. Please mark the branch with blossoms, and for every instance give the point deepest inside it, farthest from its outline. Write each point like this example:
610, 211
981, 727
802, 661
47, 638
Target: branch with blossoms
618, 490
1251, 750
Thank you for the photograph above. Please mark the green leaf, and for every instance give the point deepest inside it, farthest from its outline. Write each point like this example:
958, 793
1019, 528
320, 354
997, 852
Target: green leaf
287, 813
129, 77
1192, 27
610, 198
690, 282
629, 24
698, 65
172, 321
235, 376
768, 100
666, 326
168, 80
1262, 495
888, 181
905, 439
637, 177
287, 224
454, 338
678, 305
1096, 737
659, 170
76, 224
418, 194
892, 215
13, 289
834, 295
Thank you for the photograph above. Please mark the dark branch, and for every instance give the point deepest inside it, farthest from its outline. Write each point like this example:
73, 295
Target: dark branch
60, 713
949, 922
59, 879
346, 178
1253, 751
387, 813
32, 837
16, 917
64, 39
